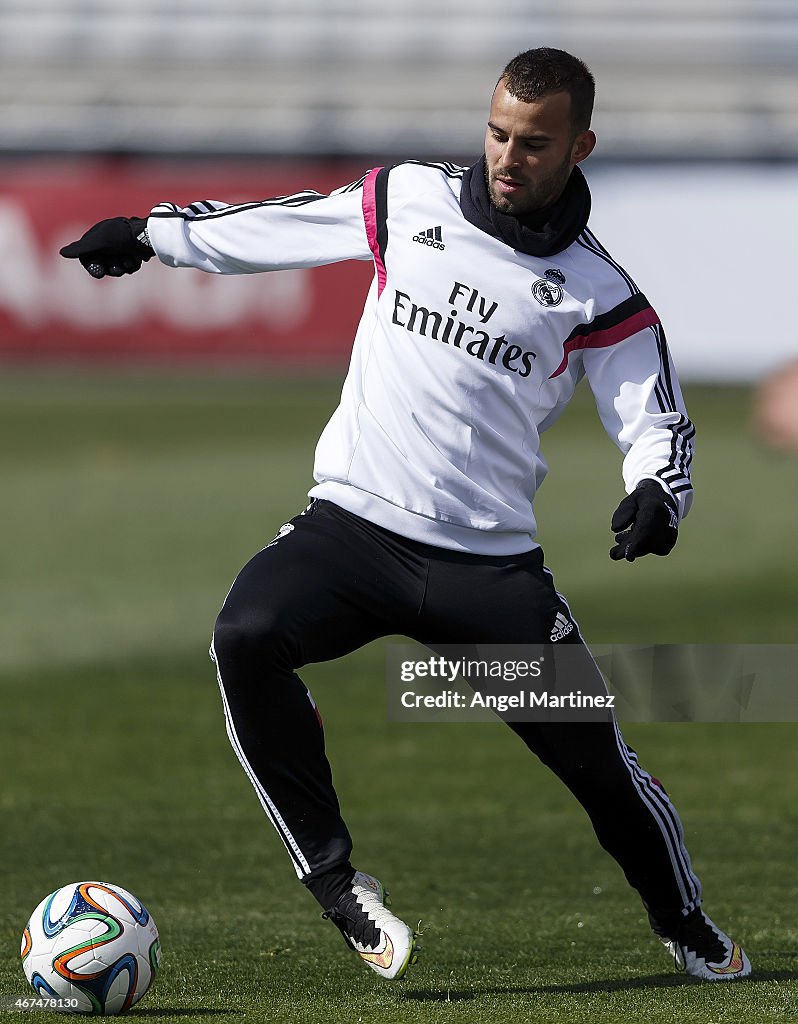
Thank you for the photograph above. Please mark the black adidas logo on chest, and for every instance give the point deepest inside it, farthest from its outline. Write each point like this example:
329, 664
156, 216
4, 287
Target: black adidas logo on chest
430, 236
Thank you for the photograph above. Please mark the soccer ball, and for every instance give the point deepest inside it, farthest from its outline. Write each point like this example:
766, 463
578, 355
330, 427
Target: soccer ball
93, 947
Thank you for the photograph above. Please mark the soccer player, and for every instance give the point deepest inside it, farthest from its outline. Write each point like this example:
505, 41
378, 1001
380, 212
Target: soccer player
491, 299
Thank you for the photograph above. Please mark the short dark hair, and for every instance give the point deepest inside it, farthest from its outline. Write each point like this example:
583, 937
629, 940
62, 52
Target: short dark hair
536, 73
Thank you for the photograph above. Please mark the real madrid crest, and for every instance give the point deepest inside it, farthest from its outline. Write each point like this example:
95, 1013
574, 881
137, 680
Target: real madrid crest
548, 290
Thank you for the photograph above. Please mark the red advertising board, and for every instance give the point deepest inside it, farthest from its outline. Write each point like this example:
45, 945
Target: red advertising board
50, 308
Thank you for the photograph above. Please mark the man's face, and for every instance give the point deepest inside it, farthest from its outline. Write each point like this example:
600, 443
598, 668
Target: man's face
530, 150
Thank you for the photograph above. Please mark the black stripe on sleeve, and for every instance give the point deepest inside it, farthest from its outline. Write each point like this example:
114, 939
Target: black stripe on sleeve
612, 318
301, 199
449, 169
589, 241
381, 209
355, 185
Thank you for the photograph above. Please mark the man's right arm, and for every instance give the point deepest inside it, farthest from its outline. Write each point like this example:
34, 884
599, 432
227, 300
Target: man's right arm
307, 229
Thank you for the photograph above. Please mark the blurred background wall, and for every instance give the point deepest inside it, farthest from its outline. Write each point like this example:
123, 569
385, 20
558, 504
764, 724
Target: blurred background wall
109, 107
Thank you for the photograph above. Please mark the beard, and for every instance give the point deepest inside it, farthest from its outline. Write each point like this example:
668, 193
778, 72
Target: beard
536, 196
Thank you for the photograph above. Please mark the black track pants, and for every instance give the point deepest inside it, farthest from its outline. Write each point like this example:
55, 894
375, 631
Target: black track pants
332, 583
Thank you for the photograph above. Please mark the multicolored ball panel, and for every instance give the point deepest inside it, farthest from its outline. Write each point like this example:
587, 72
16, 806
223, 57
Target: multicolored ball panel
94, 944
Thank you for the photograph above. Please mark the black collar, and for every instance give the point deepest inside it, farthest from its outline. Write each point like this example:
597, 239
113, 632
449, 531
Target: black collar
545, 233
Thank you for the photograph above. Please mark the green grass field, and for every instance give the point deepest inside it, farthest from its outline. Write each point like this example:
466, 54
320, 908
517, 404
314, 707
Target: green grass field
130, 502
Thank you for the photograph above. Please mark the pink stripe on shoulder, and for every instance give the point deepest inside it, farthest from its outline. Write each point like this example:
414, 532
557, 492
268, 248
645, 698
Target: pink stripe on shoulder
370, 218
610, 336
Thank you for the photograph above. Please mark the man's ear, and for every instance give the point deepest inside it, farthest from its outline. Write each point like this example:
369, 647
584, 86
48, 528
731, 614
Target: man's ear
583, 146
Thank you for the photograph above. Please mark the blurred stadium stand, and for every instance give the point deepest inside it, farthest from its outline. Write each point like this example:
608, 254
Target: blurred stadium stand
697, 118
677, 78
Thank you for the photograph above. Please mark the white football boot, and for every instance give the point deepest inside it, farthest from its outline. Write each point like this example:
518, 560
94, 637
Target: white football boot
701, 949
378, 937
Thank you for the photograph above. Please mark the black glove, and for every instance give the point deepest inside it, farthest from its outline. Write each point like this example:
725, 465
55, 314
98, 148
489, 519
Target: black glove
654, 520
114, 247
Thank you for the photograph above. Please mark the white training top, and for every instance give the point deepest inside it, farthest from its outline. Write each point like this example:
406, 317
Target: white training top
467, 350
